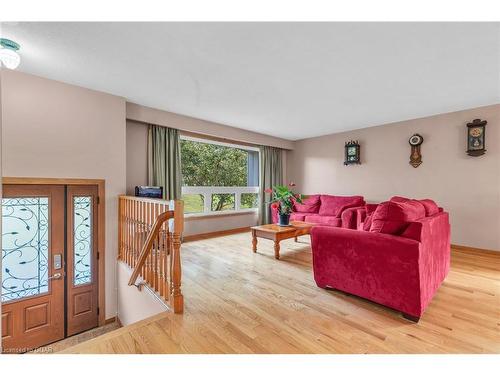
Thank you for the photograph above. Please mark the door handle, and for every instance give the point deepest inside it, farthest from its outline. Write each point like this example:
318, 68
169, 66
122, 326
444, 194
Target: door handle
55, 276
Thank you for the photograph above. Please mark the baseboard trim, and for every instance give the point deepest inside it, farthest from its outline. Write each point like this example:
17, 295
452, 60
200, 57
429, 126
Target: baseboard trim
114, 319
110, 320
475, 249
204, 236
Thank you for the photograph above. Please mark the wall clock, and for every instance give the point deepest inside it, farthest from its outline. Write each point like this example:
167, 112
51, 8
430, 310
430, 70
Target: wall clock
476, 137
415, 156
352, 151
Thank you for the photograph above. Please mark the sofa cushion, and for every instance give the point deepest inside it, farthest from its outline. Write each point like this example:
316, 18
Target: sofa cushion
330, 221
393, 217
332, 205
297, 216
308, 205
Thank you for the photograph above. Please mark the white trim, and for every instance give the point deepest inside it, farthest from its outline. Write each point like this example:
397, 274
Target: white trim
228, 144
222, 213
219, 189
208, 191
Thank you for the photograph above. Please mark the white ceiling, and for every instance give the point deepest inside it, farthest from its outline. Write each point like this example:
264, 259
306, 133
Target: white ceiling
291, 80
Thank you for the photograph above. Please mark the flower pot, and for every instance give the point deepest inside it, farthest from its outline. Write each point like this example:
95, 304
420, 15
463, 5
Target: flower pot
284, 220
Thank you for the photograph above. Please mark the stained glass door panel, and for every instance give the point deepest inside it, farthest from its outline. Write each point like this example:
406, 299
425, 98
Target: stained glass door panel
32, 291
25, 241
82, 239
82, 287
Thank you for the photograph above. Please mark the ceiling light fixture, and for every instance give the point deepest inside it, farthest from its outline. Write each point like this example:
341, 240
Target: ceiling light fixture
8, 53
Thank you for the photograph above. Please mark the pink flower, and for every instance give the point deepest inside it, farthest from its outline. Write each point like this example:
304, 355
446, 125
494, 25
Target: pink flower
268, 191
275, 205
297, 196
292, 184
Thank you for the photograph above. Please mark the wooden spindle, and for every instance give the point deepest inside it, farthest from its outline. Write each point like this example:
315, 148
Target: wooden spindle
177, 299
149, 246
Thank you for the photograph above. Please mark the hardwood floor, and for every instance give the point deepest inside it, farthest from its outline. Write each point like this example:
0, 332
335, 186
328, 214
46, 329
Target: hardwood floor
240, 302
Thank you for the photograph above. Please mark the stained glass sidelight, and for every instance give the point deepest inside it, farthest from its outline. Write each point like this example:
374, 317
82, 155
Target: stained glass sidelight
82, 239
25, 246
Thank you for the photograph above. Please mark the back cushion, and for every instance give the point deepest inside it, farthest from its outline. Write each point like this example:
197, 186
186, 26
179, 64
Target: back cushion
332, 205
393, 217
399, 199
309, 205
431, 208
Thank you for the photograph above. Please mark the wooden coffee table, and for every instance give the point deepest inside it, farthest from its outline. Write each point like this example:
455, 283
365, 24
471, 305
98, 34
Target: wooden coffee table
276, 233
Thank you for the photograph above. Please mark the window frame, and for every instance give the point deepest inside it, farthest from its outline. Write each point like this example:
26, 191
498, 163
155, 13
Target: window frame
208, 191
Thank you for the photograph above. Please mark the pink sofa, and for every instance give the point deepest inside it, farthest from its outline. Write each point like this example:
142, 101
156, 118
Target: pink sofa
329, 210
398, 257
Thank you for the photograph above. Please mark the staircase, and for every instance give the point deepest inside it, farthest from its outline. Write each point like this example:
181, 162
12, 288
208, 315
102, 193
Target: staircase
149, 238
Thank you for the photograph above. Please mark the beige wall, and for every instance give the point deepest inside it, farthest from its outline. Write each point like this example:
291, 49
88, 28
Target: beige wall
155, 116
137, 155
468, 187
52, 129
134, 304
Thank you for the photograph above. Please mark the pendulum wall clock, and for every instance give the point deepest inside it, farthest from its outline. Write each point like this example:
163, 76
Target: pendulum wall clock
415, 156
352, 154
476, 130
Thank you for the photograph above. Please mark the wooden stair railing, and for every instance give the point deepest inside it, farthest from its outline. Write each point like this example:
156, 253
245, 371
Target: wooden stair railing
150, 232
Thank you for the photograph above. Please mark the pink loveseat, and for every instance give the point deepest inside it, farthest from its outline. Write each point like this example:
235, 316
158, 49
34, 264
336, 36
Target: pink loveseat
329, 210
398, 257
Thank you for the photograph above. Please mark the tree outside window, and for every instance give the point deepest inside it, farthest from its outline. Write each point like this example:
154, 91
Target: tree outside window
206, 164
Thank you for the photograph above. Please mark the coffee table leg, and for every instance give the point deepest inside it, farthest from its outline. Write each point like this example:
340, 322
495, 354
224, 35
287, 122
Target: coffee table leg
276, 249
254, 242
296, 239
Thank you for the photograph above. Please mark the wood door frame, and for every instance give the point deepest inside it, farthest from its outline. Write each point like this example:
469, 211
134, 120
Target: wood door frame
101, 225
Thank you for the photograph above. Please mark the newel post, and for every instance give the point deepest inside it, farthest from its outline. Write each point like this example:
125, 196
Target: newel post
176, 297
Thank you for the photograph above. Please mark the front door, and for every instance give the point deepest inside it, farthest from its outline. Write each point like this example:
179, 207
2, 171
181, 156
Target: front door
32, 270
49, 264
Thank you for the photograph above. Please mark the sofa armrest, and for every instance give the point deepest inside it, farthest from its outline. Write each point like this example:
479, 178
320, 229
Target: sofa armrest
349, 217
434, 264
363, 212
360, 217
381, 267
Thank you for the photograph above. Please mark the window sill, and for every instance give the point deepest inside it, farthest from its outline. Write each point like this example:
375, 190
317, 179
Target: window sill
214, 215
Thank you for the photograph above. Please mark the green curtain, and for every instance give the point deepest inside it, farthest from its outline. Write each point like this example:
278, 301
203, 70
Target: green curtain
271, 174
164, 160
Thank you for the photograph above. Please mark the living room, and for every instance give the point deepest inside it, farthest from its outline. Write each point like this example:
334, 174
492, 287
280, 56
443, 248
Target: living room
250, 188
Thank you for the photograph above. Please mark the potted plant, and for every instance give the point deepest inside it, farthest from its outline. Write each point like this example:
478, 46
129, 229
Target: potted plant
282, 199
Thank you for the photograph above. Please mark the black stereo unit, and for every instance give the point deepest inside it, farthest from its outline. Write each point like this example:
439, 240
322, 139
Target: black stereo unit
149, 191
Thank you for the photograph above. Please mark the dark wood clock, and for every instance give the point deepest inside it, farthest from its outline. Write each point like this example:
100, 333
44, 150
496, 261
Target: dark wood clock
476, 145
415, 156
352, 149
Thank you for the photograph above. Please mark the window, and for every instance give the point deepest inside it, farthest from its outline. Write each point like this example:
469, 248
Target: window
218, 177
